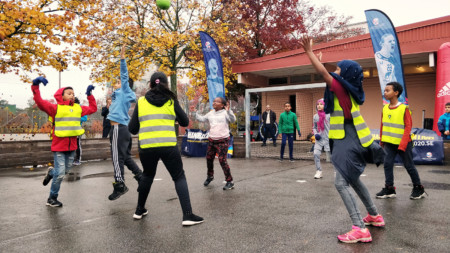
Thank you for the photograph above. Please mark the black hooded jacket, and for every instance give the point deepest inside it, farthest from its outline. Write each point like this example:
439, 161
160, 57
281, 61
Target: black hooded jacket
157, 99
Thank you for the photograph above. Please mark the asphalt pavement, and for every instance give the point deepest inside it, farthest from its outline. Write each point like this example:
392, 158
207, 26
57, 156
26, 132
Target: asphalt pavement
275, 207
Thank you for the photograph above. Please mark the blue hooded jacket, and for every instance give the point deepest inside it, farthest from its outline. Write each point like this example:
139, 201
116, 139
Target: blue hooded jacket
122, 98
444, 125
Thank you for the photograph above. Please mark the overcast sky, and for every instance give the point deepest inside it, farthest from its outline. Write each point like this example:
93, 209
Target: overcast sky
399, 11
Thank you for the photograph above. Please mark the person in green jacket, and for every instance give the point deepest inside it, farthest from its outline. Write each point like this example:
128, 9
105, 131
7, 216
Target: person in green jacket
286, 125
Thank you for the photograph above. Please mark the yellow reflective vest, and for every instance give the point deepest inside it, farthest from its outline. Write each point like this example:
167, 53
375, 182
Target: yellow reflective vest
67, 121
156, 124
337, 123
50, 119
393, 124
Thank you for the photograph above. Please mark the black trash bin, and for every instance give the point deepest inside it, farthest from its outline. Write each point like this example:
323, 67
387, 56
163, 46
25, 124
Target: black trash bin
428, 123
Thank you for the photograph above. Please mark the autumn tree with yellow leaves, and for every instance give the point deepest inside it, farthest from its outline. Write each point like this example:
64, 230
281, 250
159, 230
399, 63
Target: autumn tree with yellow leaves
91, 32
168, 39
29, 29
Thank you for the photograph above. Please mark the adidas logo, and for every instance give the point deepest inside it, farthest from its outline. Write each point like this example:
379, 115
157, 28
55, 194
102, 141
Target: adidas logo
445, 91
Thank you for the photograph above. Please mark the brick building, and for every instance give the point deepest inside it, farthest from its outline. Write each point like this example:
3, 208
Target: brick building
419, 43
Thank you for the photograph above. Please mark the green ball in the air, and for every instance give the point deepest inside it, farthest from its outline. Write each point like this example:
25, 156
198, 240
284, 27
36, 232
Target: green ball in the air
163, 4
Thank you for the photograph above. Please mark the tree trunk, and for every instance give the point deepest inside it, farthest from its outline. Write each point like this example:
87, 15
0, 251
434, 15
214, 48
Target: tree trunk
173, 83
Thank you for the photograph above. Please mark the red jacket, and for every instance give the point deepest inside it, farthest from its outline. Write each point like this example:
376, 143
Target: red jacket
60, 144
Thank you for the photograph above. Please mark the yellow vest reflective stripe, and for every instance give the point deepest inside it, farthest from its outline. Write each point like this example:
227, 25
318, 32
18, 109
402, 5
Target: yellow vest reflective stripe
67, 121
156, 124
337, 123
393, 124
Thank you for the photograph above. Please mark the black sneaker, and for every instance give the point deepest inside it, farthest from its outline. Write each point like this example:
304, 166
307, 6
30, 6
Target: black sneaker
388, 192
418, 192
119, 190
191, 219
280, 160
208, 180
54, 203
139, 213
291, 160
138, 177
263, 145
274, 144
47, 176
228, 186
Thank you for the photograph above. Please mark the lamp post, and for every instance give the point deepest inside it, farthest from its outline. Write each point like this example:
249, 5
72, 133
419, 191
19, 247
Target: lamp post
63, 66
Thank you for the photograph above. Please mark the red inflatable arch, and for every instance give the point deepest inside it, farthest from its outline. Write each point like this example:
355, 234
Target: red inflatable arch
442, 83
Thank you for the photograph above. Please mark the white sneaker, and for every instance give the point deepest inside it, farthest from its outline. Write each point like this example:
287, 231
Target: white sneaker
318, 174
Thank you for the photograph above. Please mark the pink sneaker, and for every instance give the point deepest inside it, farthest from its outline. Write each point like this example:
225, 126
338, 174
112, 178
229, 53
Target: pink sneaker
378, 221
356, 235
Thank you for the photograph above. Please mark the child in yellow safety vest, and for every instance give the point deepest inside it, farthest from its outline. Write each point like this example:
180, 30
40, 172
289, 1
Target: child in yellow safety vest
66, 117
395, 137
154, 119
352, 143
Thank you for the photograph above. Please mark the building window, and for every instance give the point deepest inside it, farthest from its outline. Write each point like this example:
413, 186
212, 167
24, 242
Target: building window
301, 79
277, 81
318, 78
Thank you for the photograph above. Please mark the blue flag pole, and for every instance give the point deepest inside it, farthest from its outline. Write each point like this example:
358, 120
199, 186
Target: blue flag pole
214, 67
386, 47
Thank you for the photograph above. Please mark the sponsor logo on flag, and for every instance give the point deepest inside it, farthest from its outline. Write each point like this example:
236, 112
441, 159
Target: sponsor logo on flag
375, 21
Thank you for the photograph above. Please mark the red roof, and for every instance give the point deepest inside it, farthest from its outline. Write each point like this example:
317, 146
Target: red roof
422, 37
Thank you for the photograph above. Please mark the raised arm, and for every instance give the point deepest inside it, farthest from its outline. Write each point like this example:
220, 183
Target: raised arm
201, 118
124, 70
231, 116
92, 108
42, 104
307, 43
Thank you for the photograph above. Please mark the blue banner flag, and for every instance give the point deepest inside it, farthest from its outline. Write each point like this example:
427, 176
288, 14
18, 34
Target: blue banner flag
214, 68
387, 52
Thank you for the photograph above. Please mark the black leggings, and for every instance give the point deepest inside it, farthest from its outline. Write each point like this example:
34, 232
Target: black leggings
171, 158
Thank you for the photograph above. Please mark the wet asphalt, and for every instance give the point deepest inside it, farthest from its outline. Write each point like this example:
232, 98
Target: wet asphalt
275, 207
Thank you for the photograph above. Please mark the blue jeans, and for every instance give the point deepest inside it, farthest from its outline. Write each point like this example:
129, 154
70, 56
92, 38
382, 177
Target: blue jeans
290, 138
343, 187
391, 151
63, 164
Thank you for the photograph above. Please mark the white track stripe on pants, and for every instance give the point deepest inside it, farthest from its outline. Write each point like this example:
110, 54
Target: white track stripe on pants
115, 153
